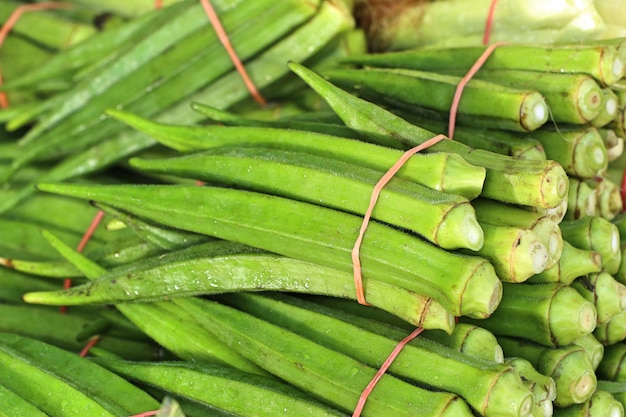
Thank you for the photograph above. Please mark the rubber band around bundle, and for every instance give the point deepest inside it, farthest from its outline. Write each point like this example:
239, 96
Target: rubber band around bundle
358, 279
92, 342
67, 283
12, 20
223, 37
158, 4
489, 22
146, 414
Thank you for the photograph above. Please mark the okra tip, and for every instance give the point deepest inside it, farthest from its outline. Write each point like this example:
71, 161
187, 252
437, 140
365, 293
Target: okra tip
554, 186
8, 263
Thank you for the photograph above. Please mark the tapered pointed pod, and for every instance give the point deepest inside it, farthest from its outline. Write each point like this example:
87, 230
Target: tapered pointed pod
513, 180
465, 285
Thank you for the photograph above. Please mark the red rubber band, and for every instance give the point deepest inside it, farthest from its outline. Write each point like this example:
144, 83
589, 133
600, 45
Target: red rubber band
223, 37
356, 262
158, 4
67, 283
459, 89
146, 414
392, 356
489, 22
12, 20
92, 342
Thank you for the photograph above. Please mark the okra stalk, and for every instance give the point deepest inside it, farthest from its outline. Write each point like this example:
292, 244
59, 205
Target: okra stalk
496, 390
515, 253
530, 183
568, 366
608, 110
441, 171
542, 387
443, 219
572, 264
596, 234
314, 234
513, 109
549, 314
608, 195
469, 339
547, 230
322, 372
613, 330
222, 387
594, 349
608, 295
600, 61
581, 152
498, 141
582, 200
614, 144
600, 404
611, 367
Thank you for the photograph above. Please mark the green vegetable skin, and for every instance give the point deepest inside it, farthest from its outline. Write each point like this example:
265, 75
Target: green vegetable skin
440, 171
512, 180
224, 388
465, 285
322, 372
63, 383
444, 219
496, 390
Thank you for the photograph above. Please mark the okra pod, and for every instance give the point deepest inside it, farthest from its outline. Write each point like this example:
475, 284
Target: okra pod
600, 61
614, 144
548, 314
496, 389
608, 197
542, 387
224, 388
608, 110
322, 372
569, 366
445, 220
580, 152
441, 171
600, 404
611, 367
596, 234
469, 339
608, 295
613, 330
594, 349
512, 109
15, 405
547, 230
572, 264
582, 200
515, 253
314, 234
530, 183
63, 383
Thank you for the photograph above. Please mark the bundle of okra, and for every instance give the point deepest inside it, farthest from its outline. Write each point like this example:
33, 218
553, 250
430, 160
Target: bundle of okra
224, 275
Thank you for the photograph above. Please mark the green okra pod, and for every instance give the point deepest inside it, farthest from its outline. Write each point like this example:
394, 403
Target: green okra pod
508, 108
469, 339
568, 366
224, 388
608, 295
611, 366
600, 404
548, 314
14, 284
613, 330
314, 234
63, 383
15, 405
580, 152
601, 61
542, 387
593, 347
582, 200
596, 234
530, 183
608, 110
515, 253
608, 197
614, 144
547, 230
443, 219
441, 171
322, 372
496, 390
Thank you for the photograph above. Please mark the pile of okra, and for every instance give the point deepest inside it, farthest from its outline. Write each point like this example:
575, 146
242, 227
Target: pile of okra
218, 275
